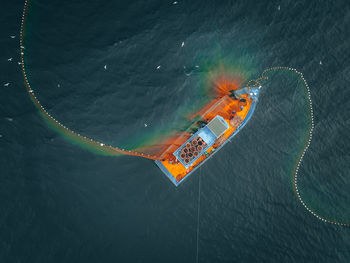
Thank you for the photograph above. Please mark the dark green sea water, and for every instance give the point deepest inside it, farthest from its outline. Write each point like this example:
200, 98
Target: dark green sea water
62, 203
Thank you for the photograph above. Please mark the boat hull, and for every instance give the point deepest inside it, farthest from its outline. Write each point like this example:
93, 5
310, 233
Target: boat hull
176, 182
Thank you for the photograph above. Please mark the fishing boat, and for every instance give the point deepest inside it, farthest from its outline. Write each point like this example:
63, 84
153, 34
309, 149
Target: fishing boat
222, 120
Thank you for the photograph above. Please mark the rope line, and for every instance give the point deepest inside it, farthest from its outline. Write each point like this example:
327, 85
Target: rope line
118, 150
111, 149
198, 211
307, 145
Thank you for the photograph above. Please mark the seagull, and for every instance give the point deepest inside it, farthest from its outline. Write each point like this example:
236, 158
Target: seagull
19, 63
279, 8
58, 85
145, 124
7, 84
183, 43
197, 66
105, 67
9, 59
175, 3
158, 67
13, 36
320, 62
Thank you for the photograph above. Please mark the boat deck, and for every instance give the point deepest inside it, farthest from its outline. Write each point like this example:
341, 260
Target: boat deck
177, 172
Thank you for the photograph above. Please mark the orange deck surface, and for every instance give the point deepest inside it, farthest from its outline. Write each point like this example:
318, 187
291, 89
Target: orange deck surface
223, 107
